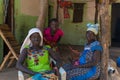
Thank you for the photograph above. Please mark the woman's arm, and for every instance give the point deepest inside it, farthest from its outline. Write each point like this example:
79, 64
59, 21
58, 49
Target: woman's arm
46, 41
20, 62
96, 59
45, 35
55, 56
76, 52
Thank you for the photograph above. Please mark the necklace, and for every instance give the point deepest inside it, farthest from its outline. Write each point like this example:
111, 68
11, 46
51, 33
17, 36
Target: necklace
37, 52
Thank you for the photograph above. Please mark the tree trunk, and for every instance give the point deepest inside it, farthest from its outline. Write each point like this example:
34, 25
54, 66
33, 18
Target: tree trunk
104, 23
43, 14
96, 11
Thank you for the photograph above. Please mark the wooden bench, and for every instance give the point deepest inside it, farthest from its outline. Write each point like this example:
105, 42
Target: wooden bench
11, 43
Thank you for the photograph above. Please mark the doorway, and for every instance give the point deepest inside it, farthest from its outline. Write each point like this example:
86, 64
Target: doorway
8, 19
115, 25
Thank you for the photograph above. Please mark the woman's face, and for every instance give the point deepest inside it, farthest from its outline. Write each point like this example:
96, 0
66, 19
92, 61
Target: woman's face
35, 38
54, 25
90, 36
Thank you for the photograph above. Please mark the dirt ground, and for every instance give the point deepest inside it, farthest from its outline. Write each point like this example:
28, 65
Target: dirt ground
12, 73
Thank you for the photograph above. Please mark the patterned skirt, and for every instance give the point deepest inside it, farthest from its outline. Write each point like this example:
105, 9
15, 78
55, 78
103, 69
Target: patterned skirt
75, 72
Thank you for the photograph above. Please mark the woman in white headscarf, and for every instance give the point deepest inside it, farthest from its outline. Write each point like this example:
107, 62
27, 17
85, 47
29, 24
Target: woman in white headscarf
34, 54
87, 67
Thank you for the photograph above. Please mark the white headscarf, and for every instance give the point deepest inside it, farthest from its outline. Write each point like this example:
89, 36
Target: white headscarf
27, 41
93, 28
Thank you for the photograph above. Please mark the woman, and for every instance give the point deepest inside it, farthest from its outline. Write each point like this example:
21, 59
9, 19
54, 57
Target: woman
52, 34
34, 54
88, 64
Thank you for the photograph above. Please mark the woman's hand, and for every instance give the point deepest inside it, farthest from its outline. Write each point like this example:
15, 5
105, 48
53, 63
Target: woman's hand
53, 44
46, 41
74, 51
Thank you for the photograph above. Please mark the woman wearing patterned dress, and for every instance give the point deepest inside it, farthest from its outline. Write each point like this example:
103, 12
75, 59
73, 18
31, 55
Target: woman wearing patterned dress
35, 55
88, 64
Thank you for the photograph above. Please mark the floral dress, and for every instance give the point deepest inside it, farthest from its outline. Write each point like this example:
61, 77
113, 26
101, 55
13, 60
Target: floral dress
86, 57
38, 61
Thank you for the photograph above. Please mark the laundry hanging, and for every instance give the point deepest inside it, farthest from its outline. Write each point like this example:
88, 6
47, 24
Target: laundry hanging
65, 5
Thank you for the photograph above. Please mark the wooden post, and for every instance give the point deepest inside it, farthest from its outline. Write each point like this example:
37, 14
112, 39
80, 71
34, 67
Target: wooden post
55, 9
12, 16
43, 14
104, 23
96, 11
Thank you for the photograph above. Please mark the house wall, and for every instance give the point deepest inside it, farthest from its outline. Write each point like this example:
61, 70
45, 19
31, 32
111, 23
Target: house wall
1, 21
25, 17
74, 33
1, 11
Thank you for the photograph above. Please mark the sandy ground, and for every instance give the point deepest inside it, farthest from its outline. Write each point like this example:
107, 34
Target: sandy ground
12, 73
9, 74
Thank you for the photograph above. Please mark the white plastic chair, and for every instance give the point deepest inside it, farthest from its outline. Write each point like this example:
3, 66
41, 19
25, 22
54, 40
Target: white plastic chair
61, 71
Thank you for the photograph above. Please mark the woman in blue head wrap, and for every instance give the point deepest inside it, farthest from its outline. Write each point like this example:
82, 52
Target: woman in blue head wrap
88, 67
